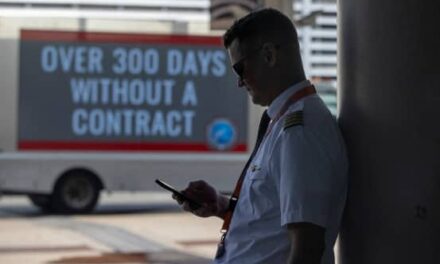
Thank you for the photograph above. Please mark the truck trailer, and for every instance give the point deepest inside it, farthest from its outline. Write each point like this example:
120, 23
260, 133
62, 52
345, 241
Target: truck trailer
90, 104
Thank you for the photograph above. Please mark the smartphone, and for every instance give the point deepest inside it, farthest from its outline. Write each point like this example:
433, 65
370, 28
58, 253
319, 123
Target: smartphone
192, 204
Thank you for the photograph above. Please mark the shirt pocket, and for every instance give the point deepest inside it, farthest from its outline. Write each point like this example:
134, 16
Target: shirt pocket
260, 192
256, 172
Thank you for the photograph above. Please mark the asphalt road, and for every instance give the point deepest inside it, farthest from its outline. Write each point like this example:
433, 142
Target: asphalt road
125, 228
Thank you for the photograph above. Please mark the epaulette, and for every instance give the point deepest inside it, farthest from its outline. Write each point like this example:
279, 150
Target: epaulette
293, 119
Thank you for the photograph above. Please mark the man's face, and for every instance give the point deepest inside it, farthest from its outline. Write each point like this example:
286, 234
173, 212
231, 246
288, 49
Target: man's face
249, 67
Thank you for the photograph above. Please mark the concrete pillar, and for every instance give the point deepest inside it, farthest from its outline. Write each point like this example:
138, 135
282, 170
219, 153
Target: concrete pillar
389, 75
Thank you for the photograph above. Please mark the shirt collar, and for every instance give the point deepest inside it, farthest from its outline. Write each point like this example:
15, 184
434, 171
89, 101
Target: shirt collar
278, 103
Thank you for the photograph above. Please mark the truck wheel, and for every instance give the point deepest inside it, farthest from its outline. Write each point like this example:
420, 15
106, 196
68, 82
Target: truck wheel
76, 192
41, 201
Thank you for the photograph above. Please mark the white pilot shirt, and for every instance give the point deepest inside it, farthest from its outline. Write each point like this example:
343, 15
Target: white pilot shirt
299, 174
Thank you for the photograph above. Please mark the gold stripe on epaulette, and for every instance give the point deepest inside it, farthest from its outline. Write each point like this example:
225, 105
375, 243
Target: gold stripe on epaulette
293, 119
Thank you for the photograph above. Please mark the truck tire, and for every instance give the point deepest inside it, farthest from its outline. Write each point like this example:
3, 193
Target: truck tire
41, 201
76, 192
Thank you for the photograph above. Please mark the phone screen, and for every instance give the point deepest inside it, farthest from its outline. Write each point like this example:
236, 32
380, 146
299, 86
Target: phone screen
193, 204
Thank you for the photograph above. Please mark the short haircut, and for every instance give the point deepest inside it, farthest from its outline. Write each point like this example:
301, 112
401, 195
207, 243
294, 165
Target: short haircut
266, 23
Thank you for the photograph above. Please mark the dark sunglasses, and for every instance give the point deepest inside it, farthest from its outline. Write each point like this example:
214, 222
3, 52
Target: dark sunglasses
239, 65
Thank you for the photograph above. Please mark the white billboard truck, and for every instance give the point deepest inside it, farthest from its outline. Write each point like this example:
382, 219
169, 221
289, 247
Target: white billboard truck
83, 112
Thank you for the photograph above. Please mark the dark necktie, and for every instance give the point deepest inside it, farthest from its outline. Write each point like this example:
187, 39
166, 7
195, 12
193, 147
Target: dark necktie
264, 124
262, 128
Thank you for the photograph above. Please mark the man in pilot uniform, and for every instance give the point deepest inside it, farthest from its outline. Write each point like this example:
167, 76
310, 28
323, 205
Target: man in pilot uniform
288, 202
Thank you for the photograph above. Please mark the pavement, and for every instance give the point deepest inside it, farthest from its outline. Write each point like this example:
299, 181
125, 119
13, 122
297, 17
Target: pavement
125, 229
146, 228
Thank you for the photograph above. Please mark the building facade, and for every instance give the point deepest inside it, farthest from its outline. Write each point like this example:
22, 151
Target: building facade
318, 41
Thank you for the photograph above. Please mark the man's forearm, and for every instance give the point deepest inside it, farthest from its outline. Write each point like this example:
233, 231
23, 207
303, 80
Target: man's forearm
307, 243
298, 257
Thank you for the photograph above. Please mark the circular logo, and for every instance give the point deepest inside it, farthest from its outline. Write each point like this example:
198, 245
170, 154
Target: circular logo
221, 134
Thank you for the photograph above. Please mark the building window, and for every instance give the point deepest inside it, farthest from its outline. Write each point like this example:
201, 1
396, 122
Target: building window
324, 65
325, 27
324, 40
324, 52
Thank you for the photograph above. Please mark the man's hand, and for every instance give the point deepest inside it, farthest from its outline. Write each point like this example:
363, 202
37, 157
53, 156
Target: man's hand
213, 203
308, 243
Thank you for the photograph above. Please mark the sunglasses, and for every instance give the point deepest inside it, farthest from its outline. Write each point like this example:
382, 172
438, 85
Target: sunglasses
238, 67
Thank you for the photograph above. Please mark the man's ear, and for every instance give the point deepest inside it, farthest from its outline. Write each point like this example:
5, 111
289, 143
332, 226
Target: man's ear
270, 54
